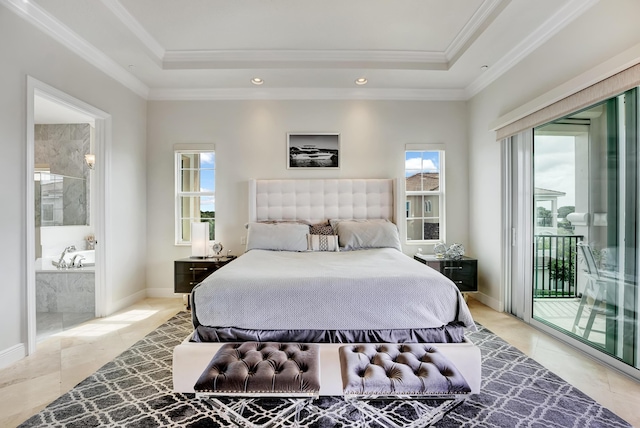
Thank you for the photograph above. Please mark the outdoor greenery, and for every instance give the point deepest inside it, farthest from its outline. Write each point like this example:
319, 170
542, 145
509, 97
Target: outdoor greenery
562, 271
209, 217
544, 218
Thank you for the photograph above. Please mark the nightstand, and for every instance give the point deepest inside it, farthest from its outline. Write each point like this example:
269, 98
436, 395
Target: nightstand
189, 272
463, 272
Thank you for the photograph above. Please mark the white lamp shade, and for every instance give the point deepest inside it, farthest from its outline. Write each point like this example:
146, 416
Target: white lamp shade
90, 159
199, 239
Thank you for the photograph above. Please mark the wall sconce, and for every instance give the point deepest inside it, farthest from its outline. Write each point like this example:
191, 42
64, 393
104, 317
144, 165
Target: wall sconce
90, 160
199, 240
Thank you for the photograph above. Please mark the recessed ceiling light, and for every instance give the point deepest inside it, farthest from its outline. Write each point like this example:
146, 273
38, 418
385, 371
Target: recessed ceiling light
257, 81
484, 67
361, 81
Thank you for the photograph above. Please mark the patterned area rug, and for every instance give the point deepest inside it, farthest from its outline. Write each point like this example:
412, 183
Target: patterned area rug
134, 390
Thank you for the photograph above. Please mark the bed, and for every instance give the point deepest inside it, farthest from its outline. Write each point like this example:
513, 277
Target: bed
324, 265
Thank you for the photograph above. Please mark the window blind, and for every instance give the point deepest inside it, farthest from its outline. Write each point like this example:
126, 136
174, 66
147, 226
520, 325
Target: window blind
605, 89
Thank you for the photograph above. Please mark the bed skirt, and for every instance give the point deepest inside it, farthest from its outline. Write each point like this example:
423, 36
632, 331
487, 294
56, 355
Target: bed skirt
451, 333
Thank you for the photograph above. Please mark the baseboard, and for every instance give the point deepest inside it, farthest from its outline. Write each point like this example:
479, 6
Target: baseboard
162, 292
12, 355
494, 304
127, 301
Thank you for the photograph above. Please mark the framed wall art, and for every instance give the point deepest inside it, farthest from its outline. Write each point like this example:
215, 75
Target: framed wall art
313, 150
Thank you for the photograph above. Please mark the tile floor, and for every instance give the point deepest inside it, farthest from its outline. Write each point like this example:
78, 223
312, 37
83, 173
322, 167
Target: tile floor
609, 387
49, 323
65, 359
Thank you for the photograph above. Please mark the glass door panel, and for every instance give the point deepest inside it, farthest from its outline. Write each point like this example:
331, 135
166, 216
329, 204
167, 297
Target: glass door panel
585, 236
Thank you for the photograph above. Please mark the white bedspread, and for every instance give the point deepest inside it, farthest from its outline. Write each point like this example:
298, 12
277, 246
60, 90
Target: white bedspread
360, 290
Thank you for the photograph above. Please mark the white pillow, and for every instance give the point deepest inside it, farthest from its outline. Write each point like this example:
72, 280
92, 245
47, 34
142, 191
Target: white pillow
334, 222
355, 235
323, 243
278, 236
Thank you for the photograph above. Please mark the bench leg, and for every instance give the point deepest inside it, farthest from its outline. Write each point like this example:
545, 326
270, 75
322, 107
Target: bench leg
427, 414
234, 410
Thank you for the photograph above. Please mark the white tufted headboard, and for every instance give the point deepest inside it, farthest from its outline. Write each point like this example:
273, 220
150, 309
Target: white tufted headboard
321, 199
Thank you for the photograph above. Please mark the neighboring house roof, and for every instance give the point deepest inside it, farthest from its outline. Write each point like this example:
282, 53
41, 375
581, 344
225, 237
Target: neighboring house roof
430, 181
546, 192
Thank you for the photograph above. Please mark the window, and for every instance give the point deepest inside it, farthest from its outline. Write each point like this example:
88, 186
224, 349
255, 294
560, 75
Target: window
424, 191
195, 192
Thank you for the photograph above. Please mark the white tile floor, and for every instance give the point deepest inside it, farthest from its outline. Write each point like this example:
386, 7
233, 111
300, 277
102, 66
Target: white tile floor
65, 359
50, 323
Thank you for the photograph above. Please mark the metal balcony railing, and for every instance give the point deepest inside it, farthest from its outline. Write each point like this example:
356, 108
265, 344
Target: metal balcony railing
554, 265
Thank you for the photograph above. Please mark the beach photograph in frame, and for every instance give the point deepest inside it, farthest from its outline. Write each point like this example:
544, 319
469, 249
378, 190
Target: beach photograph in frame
313, 150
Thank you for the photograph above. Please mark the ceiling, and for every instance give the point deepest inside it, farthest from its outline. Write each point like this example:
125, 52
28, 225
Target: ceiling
302, 49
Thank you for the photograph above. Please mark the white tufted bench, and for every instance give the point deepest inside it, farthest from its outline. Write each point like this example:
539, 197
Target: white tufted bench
390, 371
251, 370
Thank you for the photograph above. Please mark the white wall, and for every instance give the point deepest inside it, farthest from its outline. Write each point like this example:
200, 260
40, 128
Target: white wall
607, 29
250, 142
27, 51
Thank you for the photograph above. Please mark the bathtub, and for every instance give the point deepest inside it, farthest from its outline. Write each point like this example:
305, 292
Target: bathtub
88, 264
66, 290
88, 255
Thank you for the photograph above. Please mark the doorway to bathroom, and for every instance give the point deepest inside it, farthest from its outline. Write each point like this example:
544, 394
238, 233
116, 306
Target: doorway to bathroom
66, 152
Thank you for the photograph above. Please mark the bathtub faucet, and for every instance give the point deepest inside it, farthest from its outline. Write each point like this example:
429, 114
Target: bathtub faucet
61, 263
77, 261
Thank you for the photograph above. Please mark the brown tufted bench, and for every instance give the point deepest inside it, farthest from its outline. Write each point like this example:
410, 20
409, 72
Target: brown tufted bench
261, 369
371, 371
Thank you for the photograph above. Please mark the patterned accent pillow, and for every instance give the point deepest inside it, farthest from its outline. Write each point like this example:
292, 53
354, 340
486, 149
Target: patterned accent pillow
321, 229
322, 243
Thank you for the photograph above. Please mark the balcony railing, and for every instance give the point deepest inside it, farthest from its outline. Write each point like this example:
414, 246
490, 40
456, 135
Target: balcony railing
555, 262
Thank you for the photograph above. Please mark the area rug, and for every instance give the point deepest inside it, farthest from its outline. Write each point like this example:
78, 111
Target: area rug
134, 390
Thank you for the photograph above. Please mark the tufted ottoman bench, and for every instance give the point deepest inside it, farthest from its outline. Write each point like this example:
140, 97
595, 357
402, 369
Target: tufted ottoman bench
250, 370
417, 371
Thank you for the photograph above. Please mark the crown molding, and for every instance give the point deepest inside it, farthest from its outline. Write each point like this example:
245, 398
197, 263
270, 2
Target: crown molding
212, 59
224, 94
154, 47
485, 14
37, 16
541, 35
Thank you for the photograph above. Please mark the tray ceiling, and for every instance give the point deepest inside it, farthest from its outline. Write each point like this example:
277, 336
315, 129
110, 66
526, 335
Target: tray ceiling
211, 49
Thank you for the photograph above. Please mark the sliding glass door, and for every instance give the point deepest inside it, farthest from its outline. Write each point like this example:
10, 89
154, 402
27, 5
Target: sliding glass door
585, 211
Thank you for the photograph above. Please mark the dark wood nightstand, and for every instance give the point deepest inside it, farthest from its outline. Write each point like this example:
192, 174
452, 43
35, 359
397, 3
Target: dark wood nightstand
463, 272
190, 272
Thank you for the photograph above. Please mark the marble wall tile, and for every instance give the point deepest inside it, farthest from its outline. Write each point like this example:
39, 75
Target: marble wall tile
78, 293
55, 146
74, 201
62, 147
38, 202
41, 133
79, 131
47, 288
80, 281
64, 291
59, 132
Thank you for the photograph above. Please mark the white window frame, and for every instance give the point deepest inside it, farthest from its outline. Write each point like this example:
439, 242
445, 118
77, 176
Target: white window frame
434, 147
178, 150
